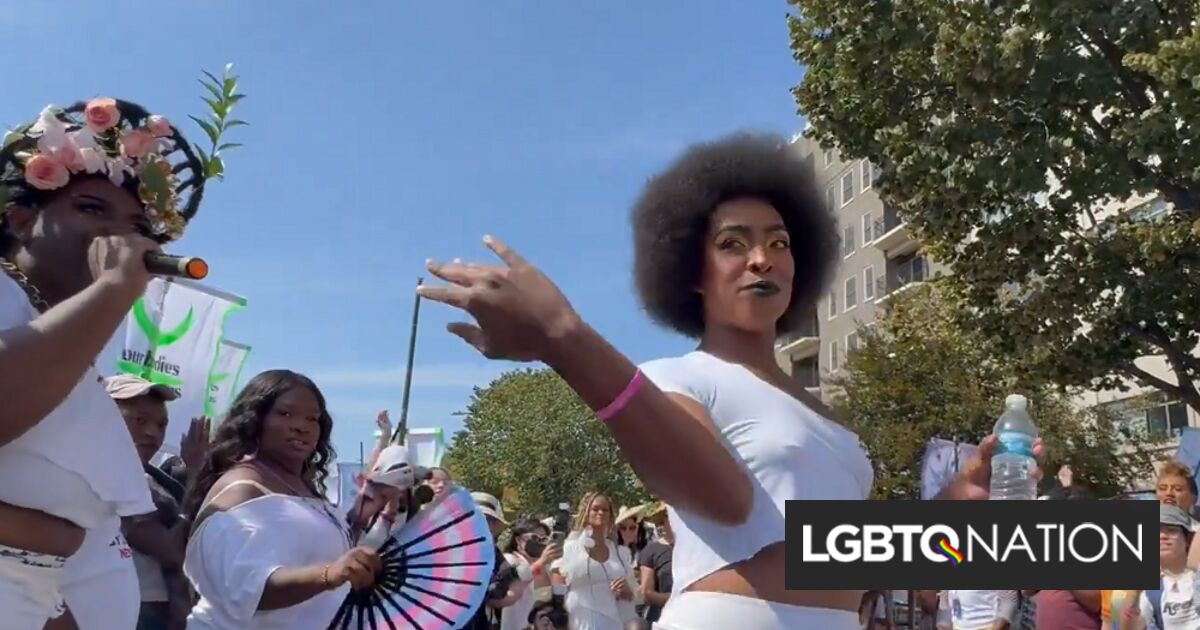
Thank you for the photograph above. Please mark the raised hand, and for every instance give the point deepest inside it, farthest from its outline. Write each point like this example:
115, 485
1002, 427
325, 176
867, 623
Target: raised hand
194, 445
974, 482
520, 313
384, 422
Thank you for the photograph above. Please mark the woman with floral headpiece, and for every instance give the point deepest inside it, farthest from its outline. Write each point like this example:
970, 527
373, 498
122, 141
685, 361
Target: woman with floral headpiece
85, 193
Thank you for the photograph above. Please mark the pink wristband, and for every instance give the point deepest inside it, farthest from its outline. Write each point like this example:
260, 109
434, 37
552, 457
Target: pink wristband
622, 400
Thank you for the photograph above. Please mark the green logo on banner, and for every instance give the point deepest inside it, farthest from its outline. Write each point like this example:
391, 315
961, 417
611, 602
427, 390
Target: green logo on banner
148, 365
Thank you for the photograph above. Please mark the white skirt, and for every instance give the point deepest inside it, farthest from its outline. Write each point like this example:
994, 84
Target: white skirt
695, 610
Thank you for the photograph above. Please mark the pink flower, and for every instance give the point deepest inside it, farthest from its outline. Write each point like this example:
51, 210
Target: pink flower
70, 156
137, 144
45, 173
102, 114
159, 126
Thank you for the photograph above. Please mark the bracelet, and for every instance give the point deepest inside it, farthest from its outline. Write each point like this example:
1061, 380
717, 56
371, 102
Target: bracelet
325, 577
622, 400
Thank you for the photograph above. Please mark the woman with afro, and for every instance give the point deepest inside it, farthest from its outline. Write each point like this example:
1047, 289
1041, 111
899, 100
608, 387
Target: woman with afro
732, 245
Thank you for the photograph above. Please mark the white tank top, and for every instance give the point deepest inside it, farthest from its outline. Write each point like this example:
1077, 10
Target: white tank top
789, 451
81, 455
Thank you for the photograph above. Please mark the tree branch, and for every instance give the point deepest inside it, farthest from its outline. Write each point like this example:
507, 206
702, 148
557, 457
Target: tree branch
1188, 394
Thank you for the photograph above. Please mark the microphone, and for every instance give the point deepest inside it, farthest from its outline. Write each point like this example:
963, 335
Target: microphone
190, 267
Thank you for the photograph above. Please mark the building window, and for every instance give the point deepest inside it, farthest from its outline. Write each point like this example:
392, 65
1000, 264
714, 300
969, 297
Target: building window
833, 309
828, 156
851, 344
848, 187
833, 356
867, 178
1160, 420
869, 283
848, 241
851, 292
831, 198
868, 227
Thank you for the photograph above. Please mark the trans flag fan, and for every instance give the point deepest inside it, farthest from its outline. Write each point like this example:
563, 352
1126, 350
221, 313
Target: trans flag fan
436, 570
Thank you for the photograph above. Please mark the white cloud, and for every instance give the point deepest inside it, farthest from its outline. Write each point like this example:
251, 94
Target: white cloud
443, 375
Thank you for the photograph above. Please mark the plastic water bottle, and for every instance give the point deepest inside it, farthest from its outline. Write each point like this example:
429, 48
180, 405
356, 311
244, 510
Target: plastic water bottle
1013, 463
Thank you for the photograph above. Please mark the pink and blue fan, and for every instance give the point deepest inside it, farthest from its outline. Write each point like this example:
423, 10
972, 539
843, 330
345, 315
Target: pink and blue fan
436, 570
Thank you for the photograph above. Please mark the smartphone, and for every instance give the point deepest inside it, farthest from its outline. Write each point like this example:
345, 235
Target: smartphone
558, 537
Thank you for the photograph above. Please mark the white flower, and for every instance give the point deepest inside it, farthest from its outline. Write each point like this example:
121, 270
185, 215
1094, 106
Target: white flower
118, 168
84, 138
93, 160
50, 131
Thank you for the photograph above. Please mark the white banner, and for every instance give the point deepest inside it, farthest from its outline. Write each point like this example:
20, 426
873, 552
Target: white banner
224, 378
171, 337
426, 447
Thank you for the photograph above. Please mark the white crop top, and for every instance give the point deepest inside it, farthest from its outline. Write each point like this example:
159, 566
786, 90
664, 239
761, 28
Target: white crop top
81, 456
232, 553
790, 452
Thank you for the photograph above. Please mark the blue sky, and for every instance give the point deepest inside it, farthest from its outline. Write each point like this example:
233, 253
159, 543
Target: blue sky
385, 132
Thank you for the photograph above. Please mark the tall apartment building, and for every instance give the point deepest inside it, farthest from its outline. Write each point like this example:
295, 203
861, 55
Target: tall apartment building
880, 258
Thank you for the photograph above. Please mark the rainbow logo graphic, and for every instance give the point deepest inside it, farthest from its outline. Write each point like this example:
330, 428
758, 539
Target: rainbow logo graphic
955, 555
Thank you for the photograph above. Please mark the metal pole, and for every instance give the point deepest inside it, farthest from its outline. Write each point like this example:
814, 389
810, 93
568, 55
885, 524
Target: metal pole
401, 433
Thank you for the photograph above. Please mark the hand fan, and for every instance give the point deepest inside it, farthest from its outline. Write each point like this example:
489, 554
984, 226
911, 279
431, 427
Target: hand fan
436, 570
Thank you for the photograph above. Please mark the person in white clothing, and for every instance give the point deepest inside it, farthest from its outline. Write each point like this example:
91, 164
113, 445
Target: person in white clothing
529, 546
983, 610
733, 245
1176, 606
77, 217
266, 550
602, 591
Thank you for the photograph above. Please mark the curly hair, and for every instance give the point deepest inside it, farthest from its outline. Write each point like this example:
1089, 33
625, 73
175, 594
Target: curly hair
585, 508
671, 222
238, 436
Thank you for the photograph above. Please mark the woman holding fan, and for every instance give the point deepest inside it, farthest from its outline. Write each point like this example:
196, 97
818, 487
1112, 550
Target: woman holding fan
732, 244
267, 550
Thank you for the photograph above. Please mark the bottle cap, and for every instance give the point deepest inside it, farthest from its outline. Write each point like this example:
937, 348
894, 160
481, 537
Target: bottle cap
1016, 401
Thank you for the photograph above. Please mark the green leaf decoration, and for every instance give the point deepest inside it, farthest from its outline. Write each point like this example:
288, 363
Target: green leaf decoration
224, 96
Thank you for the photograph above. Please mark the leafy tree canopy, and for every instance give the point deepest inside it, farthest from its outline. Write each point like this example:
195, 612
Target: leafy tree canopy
1004, 130
920, 374
529, 437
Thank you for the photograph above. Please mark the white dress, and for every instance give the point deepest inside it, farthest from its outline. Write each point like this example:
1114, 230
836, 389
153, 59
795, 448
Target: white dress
232, 553
590, 602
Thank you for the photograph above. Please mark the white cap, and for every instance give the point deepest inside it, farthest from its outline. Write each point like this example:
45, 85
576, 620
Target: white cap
393, 467
1016, 401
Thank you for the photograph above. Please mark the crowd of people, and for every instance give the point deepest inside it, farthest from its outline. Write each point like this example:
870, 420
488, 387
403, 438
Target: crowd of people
732, 243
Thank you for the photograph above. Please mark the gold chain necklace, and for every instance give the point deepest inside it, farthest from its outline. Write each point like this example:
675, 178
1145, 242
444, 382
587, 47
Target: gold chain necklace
22, 280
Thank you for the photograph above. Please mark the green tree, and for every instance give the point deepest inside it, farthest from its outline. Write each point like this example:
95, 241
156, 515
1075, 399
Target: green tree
920, 374
527, 433
1003, 129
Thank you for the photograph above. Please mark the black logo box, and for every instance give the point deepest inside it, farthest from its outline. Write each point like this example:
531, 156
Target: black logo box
981, 573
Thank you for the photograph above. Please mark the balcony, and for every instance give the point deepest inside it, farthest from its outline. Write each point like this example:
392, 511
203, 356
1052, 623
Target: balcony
893, 237
801, 343
902, 276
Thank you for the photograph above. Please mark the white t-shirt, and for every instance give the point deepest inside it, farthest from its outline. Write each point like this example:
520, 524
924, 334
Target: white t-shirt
81, 456
979, 610
1179, 606
516, 617
789, 450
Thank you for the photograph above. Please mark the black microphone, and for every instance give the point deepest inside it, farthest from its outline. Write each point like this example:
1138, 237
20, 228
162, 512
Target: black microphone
190, 267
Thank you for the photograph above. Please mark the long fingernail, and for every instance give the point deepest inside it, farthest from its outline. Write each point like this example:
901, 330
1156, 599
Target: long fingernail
429, 262
487, 238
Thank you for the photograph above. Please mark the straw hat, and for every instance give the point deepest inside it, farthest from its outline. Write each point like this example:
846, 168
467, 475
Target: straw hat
626, 513
655, 512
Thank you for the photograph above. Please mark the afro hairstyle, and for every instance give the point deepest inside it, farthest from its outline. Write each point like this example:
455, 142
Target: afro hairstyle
671, 222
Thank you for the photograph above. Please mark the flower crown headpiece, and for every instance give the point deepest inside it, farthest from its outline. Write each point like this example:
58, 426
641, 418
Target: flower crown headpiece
127, 144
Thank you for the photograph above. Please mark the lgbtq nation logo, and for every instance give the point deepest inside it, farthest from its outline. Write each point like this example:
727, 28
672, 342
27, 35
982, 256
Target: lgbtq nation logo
947, 550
